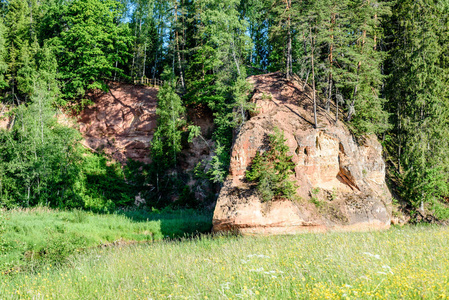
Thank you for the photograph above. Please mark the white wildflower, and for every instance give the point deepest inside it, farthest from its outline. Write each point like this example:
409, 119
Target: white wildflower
376, 256
256, 270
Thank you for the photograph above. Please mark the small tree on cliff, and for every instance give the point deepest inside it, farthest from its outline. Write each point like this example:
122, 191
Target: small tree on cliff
166, 142
271, 170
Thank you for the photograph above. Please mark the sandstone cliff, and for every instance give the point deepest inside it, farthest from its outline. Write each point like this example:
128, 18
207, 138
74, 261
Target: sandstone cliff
121, 122
341, 180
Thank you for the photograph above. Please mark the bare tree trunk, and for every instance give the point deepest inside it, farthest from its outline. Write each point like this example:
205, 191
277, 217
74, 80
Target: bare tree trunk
157, 51
115, 71
183, 41
329, 95
399, 138
28, 197
289, 41
144, 59
181, 77
235, 58
313, 79
307, 79
135, 49
375, 35
336, 115
351, 107
331, 60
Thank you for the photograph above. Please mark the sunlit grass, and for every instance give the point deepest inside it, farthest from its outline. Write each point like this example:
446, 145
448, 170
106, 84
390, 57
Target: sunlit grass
403, 263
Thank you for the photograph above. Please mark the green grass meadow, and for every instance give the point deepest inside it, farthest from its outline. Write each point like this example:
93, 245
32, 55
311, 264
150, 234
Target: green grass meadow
401, 263
37, 236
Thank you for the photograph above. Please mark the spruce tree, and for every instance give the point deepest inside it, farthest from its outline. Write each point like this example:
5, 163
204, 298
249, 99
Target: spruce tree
166, 143
419, 97
3, 52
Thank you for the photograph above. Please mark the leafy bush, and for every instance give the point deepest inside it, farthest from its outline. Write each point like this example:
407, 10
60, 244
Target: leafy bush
440, 210
101, 184
272, 169
61, 246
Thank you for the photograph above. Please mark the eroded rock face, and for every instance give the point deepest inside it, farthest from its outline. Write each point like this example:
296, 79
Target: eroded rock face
121, 122
5, 119
341, 181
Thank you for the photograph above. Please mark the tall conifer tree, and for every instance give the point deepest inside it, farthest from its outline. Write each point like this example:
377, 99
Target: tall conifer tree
419, 98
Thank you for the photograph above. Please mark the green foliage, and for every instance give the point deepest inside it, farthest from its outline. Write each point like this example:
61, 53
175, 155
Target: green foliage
272, 169
439, 210
3, 64
216, 75
41, 236
166, 142
42, 163
60, 246
316, 201
101, 185
89, 42
215, 170
218, 167
39, 157
367, 56
419, 99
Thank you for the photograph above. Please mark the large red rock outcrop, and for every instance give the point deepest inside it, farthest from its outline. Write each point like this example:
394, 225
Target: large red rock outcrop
341, 180
121, 122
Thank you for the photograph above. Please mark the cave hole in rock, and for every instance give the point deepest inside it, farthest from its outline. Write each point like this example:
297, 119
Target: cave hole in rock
342, 149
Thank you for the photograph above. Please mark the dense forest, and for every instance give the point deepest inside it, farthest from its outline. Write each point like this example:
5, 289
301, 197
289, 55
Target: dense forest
384, 66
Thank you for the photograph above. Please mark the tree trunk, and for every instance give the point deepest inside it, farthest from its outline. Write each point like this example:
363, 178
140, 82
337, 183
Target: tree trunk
336, 115
181, 77
351, 107
235, 58
331, 59
307, 79
289, 40
135, 49
313, 79
144, 59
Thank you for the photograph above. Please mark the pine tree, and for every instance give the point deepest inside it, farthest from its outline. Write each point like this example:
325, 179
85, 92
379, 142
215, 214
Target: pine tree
16, 22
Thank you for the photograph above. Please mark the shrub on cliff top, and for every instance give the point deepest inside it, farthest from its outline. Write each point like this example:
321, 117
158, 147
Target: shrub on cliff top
271, 170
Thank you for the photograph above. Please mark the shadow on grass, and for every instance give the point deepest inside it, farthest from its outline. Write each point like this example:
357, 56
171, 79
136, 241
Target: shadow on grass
175, 224
38, 237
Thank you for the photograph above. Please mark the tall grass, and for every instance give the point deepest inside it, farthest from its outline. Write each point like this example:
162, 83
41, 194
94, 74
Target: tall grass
403, 263
33, 236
